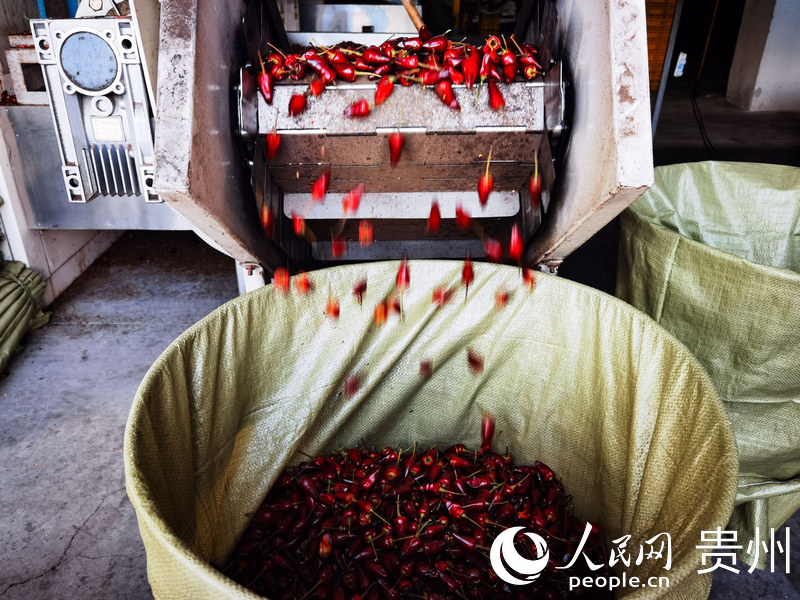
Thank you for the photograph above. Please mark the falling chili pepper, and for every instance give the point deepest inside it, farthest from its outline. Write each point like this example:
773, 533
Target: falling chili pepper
280, 279
299, 224
535, 185
359, 290
352, 199
528, 278
365, 233
381, 313
434, 218
474, 360
515, 244
496, 99
302, 284
273, 143
267, 220
396, 142
338, 247
320, 187
317, 86
500, 298
297, 104
358, 109
332, 308
384, 89
441, 295
463, 218
403, 275
485, 183
467, 275
493, 249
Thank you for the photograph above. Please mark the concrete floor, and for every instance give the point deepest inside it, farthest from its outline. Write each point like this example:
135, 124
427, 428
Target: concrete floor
67, 529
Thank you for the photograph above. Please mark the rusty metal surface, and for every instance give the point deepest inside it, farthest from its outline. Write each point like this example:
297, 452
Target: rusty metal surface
414, 106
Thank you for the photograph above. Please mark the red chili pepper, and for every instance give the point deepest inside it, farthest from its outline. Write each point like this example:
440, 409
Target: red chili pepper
297, 104
359, 108
495, 96
345, 70
317, 86
528, 278
434, 547
455, 76
358, 291
352, 199
388, 47
299, 224
266, 83
410, 546
320, 186
409, 43
396, 141
365, 233
273, 143
444, 90
493, 249
467, 273
436, 44
380, 71
463, 218
510, 65
280, 279
407, 62
384, 89
302, 284
332, 308
471, 66
321, 66
434, 218
486, 182
535, 186
338, 247
530, 72
403, 275
515, 245
487, 432
455, 55
487, 63
362, 66
381, 313
267, 220
460, 462
500, 298
441, 295
373, 56
434, 76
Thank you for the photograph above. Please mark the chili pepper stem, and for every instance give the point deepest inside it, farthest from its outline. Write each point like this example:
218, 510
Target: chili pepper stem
261, 60
278, 50
489, 160
308, 593
516, 43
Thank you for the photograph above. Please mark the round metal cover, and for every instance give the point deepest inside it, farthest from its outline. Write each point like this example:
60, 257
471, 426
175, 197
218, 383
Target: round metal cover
88, 61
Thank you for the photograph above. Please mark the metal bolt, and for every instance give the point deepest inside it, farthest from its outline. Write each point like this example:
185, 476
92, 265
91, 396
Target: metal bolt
96, 5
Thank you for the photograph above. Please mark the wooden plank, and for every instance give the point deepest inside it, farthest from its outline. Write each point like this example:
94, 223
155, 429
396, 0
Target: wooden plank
659, 22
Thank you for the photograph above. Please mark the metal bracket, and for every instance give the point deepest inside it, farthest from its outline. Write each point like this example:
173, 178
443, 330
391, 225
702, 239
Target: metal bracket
549, 266
250, 277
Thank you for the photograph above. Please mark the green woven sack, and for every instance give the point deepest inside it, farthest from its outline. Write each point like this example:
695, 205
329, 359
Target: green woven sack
712, 253
615, 405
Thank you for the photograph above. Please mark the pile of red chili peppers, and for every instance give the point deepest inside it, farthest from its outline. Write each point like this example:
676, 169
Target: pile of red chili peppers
436, 62
368, 524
